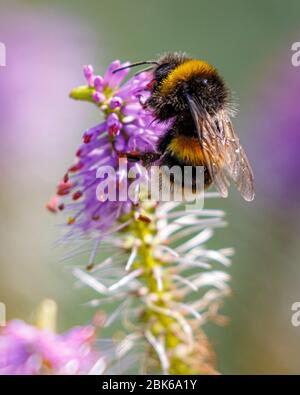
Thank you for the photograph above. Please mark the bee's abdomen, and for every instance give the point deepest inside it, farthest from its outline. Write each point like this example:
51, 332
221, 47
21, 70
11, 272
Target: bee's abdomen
187, 149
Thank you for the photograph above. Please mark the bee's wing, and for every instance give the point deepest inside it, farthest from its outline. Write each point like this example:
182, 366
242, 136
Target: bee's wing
225, 157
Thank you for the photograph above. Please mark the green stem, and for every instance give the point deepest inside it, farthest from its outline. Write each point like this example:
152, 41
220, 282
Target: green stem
155, 318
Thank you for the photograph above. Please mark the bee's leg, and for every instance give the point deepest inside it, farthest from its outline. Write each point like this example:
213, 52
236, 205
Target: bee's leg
207, 178
146, 158
132, 156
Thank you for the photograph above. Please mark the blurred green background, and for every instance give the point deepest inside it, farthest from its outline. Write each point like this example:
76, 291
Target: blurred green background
250, 43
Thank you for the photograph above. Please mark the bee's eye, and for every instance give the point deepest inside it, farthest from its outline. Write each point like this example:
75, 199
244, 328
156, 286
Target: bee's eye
162, 71
205, 81
163, 67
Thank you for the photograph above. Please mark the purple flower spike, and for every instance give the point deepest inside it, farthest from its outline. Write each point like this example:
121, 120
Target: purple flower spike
115, 102
141, 253
109, 76
88, 72
118, 77
127, 127
98, 83
120, 143
112, 119
98, 97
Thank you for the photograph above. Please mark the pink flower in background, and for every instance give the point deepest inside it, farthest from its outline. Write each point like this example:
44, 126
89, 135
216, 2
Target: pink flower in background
275, 123
45, 48
27, 350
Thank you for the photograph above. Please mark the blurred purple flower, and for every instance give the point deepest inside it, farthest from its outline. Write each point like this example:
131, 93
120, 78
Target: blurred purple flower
27, 350
38, 56
127, 127
276, 121
44, 50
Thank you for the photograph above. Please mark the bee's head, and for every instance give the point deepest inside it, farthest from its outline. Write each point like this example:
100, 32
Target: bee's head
166, 64
175, 76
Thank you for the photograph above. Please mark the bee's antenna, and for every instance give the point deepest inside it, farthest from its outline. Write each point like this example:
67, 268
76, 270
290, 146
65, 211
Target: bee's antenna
135, 64
143, 70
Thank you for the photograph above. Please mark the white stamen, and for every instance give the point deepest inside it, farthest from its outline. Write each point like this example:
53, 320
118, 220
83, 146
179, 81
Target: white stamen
204, 213
208, 298
169, 250
186, 282
90, 281
98, 368
191, 310
177, 316
165, 232
115, 314
166, 207
131, 258
186, 263
160, 350
103, 264
215, 255
126, 344
202, 237
125, 280
94, 251
158, 277
215, 278
214, 222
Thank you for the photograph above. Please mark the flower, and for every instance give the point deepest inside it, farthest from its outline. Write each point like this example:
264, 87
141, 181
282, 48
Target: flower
275, 118
148, 263
127, 127
33, 97
27, 350
164, 284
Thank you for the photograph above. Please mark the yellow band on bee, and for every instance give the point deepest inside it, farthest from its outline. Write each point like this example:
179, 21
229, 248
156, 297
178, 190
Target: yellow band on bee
187, 149
184, 72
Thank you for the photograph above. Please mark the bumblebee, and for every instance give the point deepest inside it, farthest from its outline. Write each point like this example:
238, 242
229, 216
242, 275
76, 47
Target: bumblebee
195, 99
